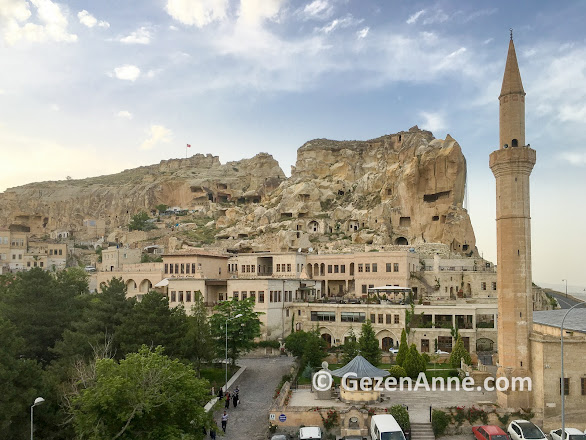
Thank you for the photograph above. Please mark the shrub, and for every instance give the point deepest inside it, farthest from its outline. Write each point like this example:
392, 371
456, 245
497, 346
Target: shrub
439, 422
272, 344
401, 415
397, 371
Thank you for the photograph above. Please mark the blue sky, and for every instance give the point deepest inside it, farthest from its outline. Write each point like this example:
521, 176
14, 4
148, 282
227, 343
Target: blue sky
89, 88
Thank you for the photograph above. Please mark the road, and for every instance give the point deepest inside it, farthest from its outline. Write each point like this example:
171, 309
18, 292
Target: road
250, 419
565, 303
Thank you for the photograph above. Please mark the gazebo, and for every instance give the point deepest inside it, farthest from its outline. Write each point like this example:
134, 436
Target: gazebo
360, 368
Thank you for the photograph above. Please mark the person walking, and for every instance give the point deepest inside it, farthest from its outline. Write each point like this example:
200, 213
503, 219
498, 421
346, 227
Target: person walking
224, 421
227, 403
213, 434
235, 400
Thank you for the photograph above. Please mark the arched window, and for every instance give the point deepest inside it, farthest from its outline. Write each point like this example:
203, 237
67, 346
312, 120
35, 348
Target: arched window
515, 143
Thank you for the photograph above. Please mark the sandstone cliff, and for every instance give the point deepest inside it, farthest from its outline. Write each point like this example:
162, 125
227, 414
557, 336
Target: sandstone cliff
395, 190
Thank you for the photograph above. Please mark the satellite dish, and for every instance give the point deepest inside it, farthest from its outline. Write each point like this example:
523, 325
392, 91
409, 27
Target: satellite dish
310, 250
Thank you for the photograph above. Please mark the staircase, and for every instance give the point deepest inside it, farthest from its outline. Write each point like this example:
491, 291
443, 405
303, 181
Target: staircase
421, 431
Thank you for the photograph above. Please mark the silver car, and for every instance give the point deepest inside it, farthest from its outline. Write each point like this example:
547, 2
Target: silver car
525, 430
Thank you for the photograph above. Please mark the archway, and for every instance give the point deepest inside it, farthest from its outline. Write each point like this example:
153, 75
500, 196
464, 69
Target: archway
401, 241
328, 338
313, 226
322, 269
387, 343
130, 285
145, 286
484, 344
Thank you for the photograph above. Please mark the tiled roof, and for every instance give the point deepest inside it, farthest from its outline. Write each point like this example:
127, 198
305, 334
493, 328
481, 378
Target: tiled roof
576, 319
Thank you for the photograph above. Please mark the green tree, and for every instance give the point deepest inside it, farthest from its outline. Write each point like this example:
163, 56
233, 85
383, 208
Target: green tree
21, 383
368, 344
459, 352
401, 415
241, 331
41, 306
314, 350
397, 371
139, 222
147, 395
295, 343
97, 328
151, 322
403, 349
413, 362
350, 348
161, 207
200, 344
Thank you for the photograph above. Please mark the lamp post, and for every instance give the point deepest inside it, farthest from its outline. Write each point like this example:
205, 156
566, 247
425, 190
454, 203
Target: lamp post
566, 287
562, 382
38, 401
228, 319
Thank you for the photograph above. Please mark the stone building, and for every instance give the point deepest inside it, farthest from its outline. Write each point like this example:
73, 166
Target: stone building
114, 257
17, 252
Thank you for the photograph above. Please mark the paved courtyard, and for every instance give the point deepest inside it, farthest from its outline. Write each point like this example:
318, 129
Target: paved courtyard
249, 420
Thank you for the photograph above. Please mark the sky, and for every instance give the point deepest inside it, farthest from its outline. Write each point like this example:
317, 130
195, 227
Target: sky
95, 87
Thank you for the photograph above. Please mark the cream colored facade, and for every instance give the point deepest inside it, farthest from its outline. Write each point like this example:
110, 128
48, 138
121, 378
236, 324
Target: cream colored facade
114, 258
139, 278
511, 165
18, 253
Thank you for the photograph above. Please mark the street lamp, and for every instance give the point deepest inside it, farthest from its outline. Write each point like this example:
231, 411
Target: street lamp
566, 287
563, 391
228, 319
38, 401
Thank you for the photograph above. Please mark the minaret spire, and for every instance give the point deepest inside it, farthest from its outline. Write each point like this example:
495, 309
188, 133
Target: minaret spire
512, 103
512, 78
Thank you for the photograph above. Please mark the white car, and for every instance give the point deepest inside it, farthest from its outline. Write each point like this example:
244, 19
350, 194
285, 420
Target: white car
571, 434
310, 432
525, 430
393, 350
441, 352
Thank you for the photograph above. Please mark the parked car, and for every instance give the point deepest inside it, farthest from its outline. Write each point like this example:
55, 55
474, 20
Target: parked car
280, 437
310, 433
441, 352
393, 350
525, 430
571, 434
385, 427
489, 432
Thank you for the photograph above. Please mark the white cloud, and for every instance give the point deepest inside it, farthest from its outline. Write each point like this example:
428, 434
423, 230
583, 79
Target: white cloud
90, 21
413, 18
433, 121
340, 23
51, 26
197, 13
488, 40
438, 16
573, 158
362, 33
157, 134
254, 12
140, 36
55, 108
127, 72
124, 114
317, 9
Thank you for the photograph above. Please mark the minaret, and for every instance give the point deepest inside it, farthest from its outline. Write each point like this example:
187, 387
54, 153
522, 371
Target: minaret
511, 165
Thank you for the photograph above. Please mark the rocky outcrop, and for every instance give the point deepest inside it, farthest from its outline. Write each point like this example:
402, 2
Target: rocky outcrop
190, 183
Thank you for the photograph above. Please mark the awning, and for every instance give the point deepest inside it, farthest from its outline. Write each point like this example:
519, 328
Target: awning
163, 283
361, 367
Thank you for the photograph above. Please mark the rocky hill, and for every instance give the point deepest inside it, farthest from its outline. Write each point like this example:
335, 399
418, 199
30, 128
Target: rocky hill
395, 190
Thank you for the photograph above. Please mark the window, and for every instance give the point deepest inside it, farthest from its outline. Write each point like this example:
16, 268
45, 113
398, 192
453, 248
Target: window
253, 295
388, 318
188, 296
367, 267
180, 296
396, 319
483, 286
299, 312
493, 285
187, 266
425, 346
364, 288
41, 264
251, 268
173, 296
192, 267
235, 296
287, 313
244, 296
176, 268
278, 268
566, 386
380, 318
583, 384
170, 268
343, 268
374, 267
28, 264
352, 317
360, 268
372, 318
60, 251
261, 296
166, 268
323, 316
288, 268
329, 268
395, 267
242, 268
280, 298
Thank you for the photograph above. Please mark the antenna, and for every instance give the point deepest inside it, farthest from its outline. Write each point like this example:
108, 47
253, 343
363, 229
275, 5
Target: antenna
511, 31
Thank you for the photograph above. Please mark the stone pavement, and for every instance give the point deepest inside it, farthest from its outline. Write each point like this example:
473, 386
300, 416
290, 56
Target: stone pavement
250, 419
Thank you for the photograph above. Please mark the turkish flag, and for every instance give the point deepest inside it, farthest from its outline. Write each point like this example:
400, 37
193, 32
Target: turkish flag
188, 145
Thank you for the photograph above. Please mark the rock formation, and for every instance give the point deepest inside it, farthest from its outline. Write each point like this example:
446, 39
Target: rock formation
400, 189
